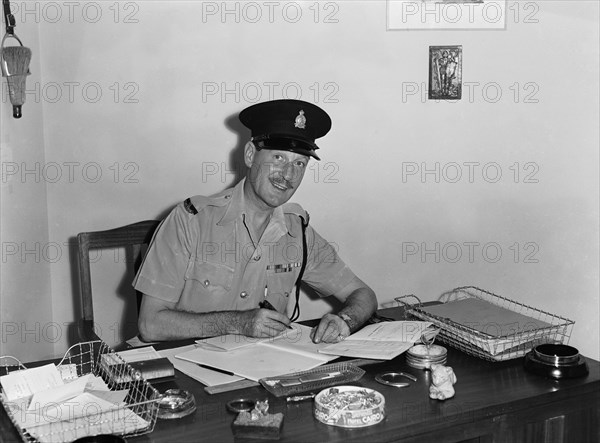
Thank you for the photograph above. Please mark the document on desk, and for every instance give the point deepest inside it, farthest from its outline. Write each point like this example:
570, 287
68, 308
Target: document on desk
229, 342
205, 376
381, 341
293, 351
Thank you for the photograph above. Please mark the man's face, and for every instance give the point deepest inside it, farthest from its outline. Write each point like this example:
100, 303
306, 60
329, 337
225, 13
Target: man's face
273, 176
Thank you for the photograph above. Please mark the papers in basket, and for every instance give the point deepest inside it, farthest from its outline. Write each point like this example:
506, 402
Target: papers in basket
382, 341
51, 408
495, 330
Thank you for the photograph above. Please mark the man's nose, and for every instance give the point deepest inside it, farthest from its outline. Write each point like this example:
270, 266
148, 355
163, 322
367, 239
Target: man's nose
289, 172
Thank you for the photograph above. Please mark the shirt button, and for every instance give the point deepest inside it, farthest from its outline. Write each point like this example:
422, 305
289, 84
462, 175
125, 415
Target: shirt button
206, 282
257, 257
287, 294
243, 294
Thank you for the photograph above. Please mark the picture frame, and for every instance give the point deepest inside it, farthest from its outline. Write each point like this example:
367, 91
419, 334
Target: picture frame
445, 72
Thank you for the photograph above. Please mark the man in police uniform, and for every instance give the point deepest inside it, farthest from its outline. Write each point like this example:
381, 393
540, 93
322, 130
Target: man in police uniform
230, 263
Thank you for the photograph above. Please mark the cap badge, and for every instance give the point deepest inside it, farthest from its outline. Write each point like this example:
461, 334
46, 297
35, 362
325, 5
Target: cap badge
300, 120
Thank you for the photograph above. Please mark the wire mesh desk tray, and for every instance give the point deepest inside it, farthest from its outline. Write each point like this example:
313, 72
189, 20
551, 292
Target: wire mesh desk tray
313, 379
543, 327
135, 415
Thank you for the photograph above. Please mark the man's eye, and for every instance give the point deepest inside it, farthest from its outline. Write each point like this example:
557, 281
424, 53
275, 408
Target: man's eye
300, 164
278, 157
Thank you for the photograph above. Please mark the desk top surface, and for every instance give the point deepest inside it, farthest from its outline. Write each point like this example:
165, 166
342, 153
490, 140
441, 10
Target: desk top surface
484, 390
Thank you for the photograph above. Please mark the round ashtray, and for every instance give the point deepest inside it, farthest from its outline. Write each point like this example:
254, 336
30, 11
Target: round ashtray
349, 406
176, 403
556, 354
556, 361
423, 357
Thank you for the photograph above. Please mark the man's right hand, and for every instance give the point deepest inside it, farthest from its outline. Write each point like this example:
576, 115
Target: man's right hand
160, 320
262, 323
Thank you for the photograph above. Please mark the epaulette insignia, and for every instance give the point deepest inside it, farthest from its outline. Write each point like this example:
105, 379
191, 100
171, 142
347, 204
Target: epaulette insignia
189, 206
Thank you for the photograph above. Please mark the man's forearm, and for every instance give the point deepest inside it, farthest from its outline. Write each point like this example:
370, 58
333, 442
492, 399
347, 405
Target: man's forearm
171, 324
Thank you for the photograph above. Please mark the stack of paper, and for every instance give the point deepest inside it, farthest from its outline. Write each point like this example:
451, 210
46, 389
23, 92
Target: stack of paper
382, 341
293, 351
205, 376
487, 329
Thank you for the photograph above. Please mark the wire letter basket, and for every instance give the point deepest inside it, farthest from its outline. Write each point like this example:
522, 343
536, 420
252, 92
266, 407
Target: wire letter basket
135, 415
525, 327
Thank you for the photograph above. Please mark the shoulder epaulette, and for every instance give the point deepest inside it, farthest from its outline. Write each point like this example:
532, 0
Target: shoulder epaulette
293, 208
195, 204
296, 209
189, 206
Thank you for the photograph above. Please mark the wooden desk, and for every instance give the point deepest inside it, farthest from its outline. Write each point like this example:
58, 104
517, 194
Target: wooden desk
494, 402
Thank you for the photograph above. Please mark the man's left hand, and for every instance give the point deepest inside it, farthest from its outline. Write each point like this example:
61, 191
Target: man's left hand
331, 329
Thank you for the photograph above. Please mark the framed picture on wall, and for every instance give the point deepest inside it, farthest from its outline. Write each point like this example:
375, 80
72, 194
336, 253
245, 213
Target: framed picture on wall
445, 72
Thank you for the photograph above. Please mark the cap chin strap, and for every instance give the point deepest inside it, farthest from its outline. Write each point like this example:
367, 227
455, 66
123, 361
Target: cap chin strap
296, 312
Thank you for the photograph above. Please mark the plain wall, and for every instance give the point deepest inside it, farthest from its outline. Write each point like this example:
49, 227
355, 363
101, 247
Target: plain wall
136, 110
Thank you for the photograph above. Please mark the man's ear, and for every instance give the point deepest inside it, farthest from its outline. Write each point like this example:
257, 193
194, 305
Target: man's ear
249, 153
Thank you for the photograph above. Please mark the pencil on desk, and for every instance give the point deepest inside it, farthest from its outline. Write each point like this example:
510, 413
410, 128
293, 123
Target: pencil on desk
222, 371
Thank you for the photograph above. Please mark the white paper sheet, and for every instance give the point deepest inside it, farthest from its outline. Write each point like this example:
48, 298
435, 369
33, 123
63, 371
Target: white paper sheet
292, 351
203, 375
383, 341
27, 382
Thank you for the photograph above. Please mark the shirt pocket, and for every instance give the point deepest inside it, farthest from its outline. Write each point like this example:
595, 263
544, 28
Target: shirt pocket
212, 277
281, 283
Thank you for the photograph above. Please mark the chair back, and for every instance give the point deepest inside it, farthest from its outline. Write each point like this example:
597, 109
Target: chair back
133, 236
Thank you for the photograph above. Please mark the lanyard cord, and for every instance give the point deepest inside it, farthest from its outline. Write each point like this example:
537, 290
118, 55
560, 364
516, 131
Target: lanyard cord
296, 312
8, 18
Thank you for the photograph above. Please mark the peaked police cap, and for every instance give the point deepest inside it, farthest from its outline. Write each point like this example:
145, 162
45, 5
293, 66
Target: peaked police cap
286, 125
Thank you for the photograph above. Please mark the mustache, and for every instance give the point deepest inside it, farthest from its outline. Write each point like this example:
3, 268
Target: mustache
282, 181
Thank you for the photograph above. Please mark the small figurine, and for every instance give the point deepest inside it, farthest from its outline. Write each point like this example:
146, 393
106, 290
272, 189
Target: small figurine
442, 379
260, 409
258, 423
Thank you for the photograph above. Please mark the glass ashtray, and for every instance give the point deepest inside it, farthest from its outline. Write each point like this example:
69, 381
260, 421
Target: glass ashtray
176, 403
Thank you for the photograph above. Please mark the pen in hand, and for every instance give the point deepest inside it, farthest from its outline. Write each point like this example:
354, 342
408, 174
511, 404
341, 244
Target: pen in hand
266, 305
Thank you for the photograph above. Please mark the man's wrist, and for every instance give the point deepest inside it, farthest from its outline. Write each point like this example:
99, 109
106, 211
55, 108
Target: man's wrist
352, 324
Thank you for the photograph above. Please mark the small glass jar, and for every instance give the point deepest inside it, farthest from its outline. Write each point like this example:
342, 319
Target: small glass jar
423, 357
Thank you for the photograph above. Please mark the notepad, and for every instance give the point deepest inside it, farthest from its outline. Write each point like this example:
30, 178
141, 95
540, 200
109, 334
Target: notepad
381, 341
290, 352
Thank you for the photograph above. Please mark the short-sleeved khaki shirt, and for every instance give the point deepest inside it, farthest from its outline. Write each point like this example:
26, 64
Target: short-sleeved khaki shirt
203, 258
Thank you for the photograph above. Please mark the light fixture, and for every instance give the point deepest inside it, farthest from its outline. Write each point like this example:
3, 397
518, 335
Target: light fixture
14, 61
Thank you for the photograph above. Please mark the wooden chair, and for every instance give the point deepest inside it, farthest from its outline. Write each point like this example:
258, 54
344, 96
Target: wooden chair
134, 237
